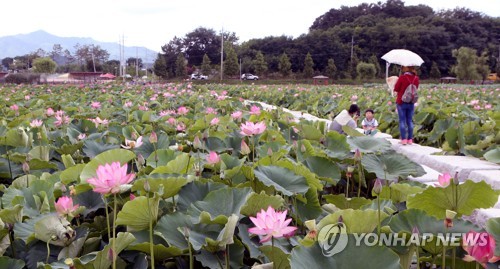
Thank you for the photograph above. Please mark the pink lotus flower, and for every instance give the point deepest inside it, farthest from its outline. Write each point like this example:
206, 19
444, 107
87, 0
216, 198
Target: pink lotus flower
389, 103
14, 107
50, 111
213, 158
182, 110
172, 121
488, 106
354, 98
61, 119
236, 115
64, 206
95, 105
27, 97
443, 180
131, 144
82, 136
477, 107
244, 148
480, 247
36, 123
271, 223
98, 121
110, 177
254, 110
214, 121
249, 128
128, 104
181, 127
474, 102
211, 110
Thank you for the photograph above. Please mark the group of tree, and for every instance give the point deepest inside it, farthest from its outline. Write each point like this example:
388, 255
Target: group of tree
344, 43
85, 58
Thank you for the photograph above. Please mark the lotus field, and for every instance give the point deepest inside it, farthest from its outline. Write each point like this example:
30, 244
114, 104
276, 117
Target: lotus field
191, 176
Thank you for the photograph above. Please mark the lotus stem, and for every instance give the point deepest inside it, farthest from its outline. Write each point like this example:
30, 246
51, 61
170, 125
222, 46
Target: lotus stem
107, 218
227, 257
378, 209
443, 258
114, 232
151, 243
417, 253
477, 265
48, 251
191, 262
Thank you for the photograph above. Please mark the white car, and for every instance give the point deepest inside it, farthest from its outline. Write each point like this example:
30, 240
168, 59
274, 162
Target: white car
249, 77
198, 76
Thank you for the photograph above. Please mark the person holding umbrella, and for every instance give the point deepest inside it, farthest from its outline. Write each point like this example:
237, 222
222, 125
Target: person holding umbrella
408, 60
406, 110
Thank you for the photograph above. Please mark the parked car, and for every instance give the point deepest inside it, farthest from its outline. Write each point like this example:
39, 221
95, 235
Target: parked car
198, 76
249, 77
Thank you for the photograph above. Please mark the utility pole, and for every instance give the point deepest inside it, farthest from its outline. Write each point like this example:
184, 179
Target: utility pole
352, 47
222, 54
93, 59
240, 69
136, 62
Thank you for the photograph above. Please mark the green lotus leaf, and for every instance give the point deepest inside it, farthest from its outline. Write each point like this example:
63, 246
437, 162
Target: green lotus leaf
72, 174
468, 196
93, 148
147, 148
162, 157
372, 257
324, 168
161, 252
282, 179
311, 208
216, 260
385, 205
336, 145
136, 214
40, 152
92, 201
37, 164
115, 155
171, 184
123, 240
11, 215
369, 144
277, 256
180, 165
342, 202
351, 131
356, 221
196, 191
310, 132
171, 228
302, 170
493, 155
493, 228
6, 262
219, 204
399, 192
391, 166
55, 230
256, 202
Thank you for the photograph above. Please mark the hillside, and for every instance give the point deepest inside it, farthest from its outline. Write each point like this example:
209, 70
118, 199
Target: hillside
17, 45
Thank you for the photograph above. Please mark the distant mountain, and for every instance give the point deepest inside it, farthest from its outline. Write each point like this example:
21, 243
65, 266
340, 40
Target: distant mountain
22, 44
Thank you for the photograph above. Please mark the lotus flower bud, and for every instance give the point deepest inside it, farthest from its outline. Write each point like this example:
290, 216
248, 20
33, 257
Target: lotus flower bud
357, 155
197, 143
302, 148
153, 138
146, 186
377, 187
244, 148
448, 221
269, 152
415, 230
26, 168
341, 219
455, 179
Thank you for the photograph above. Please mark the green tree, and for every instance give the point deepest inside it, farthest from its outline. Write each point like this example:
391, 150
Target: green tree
497, 70
365, 70
308, 66
205, 65
44, 65
284, 66
260, 64
160, 66
7, 61
483, 68
466, 67
374, 60
231, 66
435, 73
331, 69
180, 66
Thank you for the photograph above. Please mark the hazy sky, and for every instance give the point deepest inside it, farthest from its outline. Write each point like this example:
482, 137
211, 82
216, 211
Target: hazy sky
153, 23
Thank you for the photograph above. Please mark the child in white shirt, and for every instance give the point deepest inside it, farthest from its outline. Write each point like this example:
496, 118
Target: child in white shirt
369, 123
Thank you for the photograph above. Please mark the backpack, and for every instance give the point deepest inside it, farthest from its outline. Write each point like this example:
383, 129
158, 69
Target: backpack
410, 95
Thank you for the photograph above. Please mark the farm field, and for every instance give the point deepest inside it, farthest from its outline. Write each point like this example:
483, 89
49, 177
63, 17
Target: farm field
187, 176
